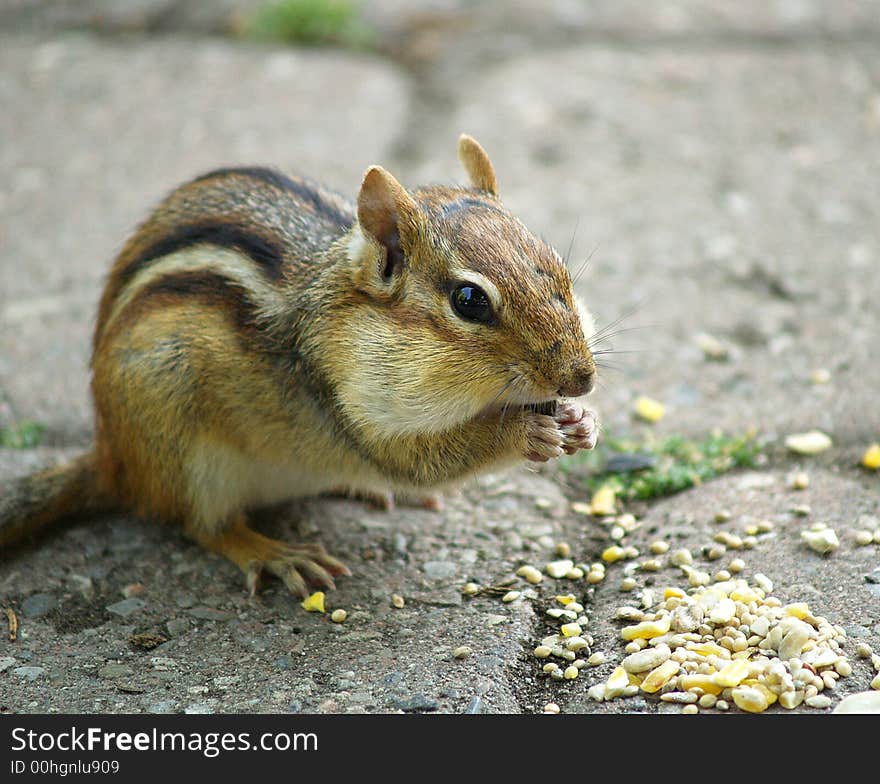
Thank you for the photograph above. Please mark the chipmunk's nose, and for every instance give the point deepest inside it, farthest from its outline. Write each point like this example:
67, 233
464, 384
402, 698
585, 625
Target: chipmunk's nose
580, 380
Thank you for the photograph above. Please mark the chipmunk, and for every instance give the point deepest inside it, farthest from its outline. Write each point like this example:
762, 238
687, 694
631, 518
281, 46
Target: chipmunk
260, 339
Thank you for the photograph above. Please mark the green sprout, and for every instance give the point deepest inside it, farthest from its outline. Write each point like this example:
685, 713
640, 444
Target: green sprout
651, 467
309, 22
24, 435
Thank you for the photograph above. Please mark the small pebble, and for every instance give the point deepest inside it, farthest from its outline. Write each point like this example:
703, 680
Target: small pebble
462, 652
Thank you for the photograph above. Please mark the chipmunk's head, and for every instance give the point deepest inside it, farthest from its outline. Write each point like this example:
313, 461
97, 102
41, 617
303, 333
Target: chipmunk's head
463, 311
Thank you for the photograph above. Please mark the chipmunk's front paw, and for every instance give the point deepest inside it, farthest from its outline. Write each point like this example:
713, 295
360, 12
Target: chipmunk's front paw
569, 428
578, 424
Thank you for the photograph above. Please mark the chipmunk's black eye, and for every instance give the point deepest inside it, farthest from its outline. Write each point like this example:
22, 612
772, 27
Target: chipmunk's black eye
471, 303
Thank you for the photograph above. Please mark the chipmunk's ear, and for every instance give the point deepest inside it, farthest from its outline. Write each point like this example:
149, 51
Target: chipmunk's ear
385, 211
477, 164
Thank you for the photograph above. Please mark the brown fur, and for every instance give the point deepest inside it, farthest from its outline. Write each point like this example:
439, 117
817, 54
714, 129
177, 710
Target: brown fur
254, 343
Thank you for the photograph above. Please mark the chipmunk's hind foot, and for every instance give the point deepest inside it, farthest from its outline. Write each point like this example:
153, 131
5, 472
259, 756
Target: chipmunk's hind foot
299, 566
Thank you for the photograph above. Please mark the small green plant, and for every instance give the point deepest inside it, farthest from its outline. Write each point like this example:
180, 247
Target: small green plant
309, 22
24, 435
651, 467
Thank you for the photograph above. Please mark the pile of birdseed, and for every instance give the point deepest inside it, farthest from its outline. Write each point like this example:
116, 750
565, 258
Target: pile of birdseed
721, 641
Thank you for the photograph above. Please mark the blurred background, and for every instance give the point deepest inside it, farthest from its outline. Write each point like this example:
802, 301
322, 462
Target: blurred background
710, 169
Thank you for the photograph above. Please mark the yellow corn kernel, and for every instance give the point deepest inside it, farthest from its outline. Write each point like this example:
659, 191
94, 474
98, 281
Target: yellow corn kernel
708, 649
612, 554
647, 629
567, 599
660, 676
571, 629
732, 673
616, 683
750, 699
649, 409
604, 501
314, 603
797, 609
871, 458
697, 681
670, 592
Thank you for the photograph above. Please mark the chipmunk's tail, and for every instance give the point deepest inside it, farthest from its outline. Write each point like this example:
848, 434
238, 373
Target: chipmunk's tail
31, 503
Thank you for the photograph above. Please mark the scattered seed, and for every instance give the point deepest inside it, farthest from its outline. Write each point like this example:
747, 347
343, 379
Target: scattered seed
596, 659
603, 502
511, 596
595, 576
571, 630
863, 650
579, 507
469, 589
551, 707
575, 573
338, 616
651, 565
659, 547
800, 481
875, 683
462, 652
810, 443
563, 550
314, 603
612, 554
530, 573
690, 709
681, 558
864, 538
871, 458
736, 565
627, 584
818, 701
558, 569
542, 651
571, 673
649, 409
822, 541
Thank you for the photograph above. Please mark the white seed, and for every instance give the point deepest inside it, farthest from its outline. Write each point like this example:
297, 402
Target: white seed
596, 659
763, 582
571, 630
550, 667
810, 443
715, 552
558, 569
469, 589
722, 705
530, 573
861, 702
562, 549
597, 692
511, 596
575, 573
617, 533
800, 480
829, 680
595, 576
571, 673
824, 541
863, 650
646, 659
462, 652
875, 682
736, 565
791, 699
818, 701
722, 516
576, 643
542, 651
682, 697
627, 584
338, 616
864, 538
749, 542
652, 565
659, 547
681, 558
551, 707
